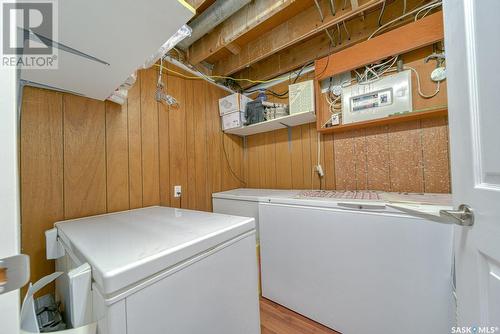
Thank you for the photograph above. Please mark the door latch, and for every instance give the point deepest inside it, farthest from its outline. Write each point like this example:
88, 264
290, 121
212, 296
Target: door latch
464, 216
14, 272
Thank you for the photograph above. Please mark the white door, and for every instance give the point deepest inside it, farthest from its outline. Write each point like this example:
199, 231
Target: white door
472, 39
9, 196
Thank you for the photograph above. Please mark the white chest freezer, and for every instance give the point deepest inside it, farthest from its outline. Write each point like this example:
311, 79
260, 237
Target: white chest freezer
160, 270
352, 262
245, 201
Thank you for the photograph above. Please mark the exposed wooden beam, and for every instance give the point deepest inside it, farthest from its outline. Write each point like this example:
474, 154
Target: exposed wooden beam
233, 48
199, 3
407, 38
246, 19
298, 28
319, 46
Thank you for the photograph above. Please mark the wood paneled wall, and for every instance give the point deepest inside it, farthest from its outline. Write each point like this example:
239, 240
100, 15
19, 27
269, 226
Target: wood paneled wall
83, 157
411, 156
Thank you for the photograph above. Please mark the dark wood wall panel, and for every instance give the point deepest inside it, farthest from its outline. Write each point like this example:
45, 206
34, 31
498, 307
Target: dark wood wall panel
82, 157
135, 145
150, 146
117, 155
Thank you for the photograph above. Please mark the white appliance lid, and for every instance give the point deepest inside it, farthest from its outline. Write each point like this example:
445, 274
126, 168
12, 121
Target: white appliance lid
126, 247
255, 195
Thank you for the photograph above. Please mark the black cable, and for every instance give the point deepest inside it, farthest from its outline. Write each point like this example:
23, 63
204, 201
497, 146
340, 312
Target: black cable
298, 74
229, 164
327, 62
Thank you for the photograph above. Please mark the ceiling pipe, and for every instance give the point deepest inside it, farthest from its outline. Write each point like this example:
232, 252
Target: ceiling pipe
210, 18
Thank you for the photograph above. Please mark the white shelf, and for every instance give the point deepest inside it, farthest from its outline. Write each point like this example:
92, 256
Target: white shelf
274, 124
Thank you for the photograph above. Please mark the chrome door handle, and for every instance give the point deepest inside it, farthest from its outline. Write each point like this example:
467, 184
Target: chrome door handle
464, 216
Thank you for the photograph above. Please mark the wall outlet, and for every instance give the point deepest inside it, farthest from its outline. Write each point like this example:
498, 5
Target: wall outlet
177, 191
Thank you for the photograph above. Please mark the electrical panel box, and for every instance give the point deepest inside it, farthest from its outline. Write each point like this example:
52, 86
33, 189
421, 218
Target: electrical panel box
380, 98
301, 96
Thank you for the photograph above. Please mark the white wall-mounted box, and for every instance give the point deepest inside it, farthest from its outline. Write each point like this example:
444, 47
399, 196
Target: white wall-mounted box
389, 95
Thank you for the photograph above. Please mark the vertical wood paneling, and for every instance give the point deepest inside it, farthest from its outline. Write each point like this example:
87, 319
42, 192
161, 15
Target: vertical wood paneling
117, 156
166, 192
313, 135
283, 160
307, 161
84, 157
231, 162
297, 159
41, 173
177, 138
264, 165
253, 179
213, 140
191, 198
135, 144
150, 138
203, 196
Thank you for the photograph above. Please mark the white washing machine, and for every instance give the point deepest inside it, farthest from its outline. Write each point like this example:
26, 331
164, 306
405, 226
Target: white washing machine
159, 270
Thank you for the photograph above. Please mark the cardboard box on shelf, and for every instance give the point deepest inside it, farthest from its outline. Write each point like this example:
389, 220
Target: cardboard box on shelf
232, 103
233, 120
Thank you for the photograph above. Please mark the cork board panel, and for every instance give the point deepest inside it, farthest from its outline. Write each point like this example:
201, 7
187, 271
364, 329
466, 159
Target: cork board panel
345, 165
359, 142
377, 158
405, 157
436, 161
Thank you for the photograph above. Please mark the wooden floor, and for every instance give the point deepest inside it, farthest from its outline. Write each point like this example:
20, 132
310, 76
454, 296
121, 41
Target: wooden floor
276, 319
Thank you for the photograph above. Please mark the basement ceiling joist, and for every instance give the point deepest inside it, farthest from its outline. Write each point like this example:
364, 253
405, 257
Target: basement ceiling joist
258, 15
200, 5
294, 57
298, 28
